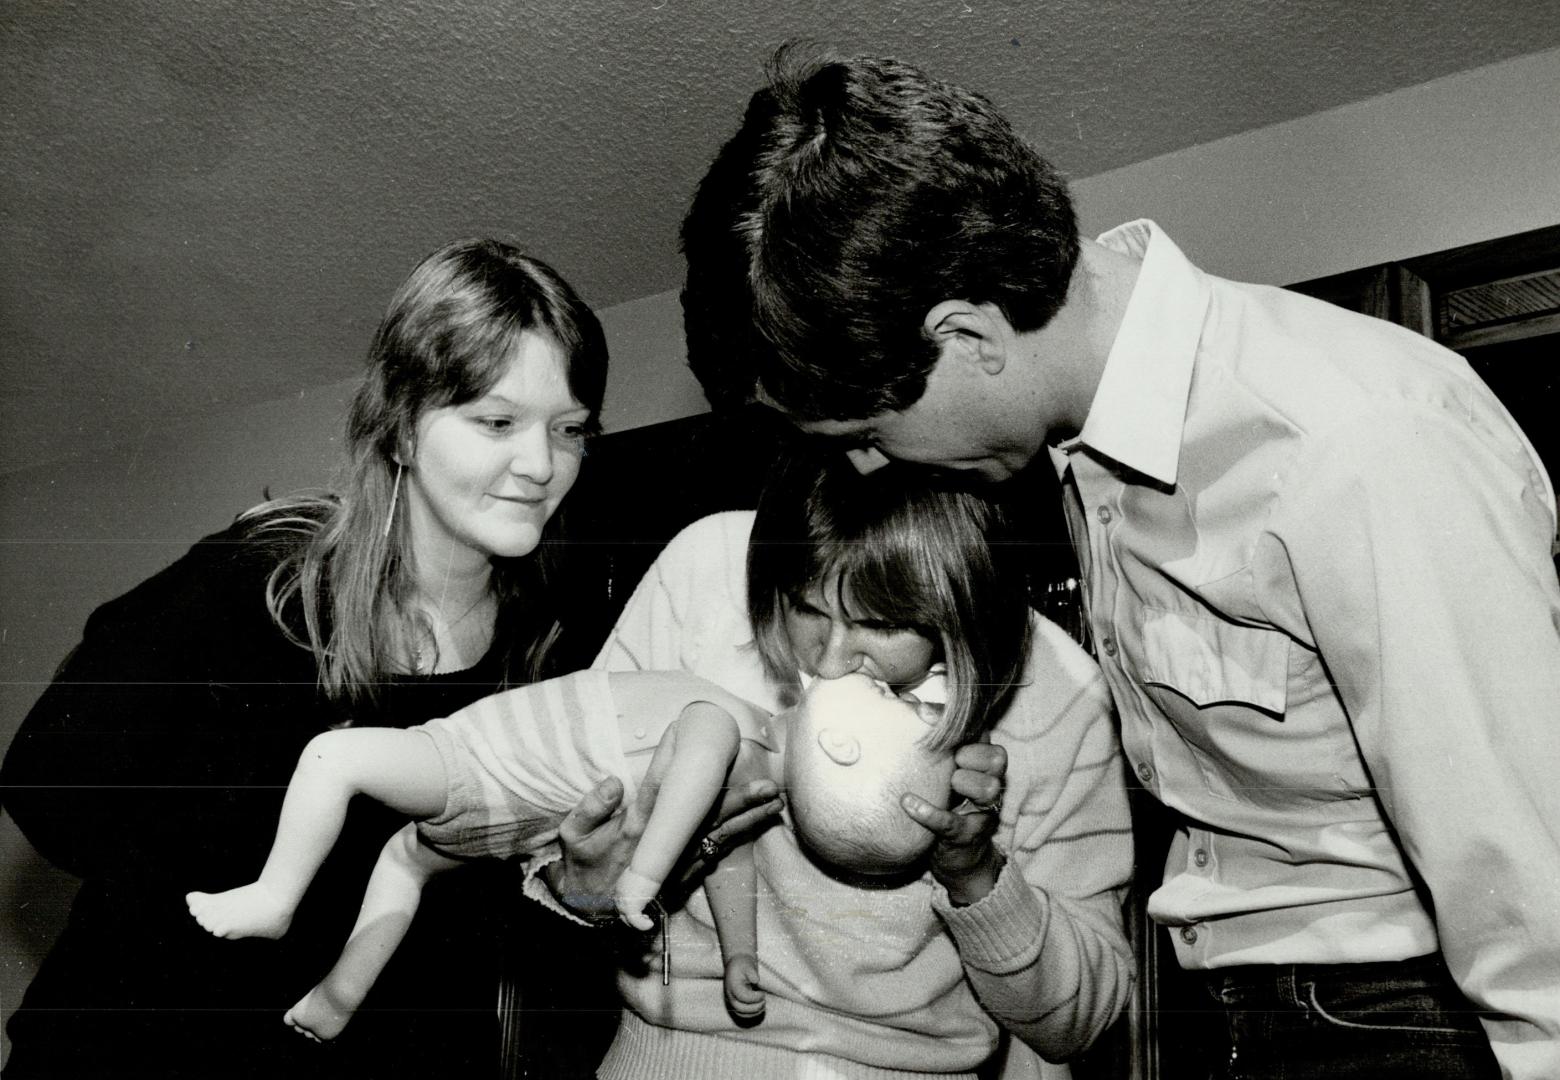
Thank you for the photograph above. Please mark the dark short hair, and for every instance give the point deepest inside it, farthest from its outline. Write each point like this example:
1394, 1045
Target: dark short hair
723, 343
857, 195
941, 560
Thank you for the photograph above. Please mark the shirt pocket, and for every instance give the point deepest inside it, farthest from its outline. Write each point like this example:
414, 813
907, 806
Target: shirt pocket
1224, 689
1208, 661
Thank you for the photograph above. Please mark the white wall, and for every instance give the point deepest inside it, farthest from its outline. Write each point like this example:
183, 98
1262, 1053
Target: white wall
1466, 158
1451, 162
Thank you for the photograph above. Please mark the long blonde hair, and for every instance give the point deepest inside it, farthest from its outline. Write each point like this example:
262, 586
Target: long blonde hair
448, 333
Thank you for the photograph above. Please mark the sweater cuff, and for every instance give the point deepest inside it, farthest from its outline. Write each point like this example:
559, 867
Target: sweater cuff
535, 886
1001, 931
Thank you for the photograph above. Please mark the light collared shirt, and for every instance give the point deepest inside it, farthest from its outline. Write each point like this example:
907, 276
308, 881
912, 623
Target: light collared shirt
1318, 557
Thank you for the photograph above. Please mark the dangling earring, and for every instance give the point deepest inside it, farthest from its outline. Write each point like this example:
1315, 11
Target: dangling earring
395, 494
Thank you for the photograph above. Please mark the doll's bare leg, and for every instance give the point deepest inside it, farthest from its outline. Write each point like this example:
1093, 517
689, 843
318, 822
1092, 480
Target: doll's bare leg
704, 745
394, 891
401, 769
732, 890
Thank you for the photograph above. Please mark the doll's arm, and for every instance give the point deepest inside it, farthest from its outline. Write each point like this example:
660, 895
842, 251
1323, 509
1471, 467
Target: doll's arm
704, 744
401, 769
732, 890
394, 892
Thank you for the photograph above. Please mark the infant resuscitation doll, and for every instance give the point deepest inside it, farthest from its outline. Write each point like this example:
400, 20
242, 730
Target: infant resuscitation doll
497, 778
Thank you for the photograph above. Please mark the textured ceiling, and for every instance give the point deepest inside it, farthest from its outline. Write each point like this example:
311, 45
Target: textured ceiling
205, 203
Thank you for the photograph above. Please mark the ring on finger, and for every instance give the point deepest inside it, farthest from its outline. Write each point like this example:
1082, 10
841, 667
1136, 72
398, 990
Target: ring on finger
972, 807
709, 847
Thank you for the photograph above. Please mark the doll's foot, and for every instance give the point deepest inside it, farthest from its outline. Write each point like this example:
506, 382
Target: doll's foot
319, 1014
253, 910
744, 999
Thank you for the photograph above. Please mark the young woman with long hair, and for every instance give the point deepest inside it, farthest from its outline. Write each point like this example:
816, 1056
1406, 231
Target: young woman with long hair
156, 761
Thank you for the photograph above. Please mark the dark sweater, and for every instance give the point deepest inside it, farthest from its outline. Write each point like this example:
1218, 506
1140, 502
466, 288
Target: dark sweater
156, 764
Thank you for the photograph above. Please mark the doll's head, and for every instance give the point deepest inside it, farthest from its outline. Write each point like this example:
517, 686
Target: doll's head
888, 557
853, 748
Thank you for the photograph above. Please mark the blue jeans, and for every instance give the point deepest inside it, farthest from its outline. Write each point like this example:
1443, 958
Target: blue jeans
1381, 1021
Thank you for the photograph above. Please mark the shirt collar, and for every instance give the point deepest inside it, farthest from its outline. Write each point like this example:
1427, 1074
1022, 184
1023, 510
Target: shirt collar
1139, 408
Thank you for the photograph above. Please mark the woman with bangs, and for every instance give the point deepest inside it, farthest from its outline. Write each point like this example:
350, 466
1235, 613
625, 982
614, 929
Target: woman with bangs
911, 568
1011, 929
157, 760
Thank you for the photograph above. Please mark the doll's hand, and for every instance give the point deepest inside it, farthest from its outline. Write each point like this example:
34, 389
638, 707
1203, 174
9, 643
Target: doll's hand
635, 892
744, 999
964, 860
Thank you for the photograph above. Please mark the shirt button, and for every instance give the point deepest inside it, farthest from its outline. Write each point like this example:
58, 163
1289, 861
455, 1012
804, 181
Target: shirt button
1104, 514
1145, 773
1200, 857
1108, 644
1189, 934
639, 733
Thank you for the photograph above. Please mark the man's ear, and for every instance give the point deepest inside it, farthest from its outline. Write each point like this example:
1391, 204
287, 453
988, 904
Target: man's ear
971, 331
841, 747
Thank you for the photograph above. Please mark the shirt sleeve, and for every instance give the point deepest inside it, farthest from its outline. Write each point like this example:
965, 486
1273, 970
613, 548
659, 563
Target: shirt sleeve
1046, 951
1419, 551
646, 636
698, 576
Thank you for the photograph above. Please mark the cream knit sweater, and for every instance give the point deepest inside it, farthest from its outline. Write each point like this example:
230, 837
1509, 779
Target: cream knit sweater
892, 982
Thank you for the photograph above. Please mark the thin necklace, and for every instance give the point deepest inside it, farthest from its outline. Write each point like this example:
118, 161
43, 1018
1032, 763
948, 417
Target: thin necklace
419, 658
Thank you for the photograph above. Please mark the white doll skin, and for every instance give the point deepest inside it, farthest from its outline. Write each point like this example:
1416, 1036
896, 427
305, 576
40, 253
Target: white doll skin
849, 751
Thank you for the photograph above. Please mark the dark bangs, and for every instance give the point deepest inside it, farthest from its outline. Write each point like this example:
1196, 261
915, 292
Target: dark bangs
909, 554
882, 580
469, 335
